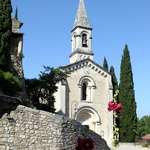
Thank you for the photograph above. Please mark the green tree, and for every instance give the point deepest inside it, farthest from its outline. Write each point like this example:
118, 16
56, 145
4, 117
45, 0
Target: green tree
105, 64
9, 84
40, 91
114, 79
143, 126
128, 116
16, 13
5, 34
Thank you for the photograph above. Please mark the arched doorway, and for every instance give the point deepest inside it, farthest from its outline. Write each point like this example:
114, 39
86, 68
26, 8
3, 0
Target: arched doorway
89, 117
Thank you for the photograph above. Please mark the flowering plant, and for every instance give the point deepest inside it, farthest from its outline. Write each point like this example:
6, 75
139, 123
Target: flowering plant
85, 143
116, 107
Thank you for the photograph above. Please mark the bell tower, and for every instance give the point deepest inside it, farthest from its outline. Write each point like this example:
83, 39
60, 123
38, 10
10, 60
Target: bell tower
81, 36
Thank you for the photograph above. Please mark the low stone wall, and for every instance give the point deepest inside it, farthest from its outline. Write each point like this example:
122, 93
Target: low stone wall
142, 141
29, 129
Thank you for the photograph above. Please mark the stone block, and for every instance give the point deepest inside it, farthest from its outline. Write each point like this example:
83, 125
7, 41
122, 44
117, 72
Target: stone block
2, 147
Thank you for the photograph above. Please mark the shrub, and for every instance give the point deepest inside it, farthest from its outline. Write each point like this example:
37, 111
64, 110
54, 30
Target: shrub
9, 84
27, 103
145, 145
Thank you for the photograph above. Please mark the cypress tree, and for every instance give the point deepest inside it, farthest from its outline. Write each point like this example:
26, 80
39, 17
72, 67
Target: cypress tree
5, 34
105, 64
114, 79
128, 117
16, 13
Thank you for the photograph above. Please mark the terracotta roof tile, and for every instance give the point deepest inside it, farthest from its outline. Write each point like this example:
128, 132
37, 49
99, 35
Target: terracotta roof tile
146, 136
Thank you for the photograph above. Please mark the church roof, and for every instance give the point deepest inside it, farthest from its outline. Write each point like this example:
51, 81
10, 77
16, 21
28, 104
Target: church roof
81, 16
85, 62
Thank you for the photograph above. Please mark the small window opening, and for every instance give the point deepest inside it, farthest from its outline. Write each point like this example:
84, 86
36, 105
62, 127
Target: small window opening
84, 40
84, 91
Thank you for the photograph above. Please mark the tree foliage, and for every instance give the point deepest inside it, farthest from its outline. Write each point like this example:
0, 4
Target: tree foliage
16, 13
5, 34
143, 126
114, 79
105, 64
40, 91
9, 84
128, 118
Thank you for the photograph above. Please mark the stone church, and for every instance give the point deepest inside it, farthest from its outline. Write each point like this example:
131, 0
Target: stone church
84, 96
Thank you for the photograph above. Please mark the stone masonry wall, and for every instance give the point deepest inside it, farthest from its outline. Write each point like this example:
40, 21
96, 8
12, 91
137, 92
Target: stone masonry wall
29, 129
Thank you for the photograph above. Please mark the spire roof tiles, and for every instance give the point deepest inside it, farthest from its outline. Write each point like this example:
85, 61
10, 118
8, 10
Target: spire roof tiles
81, 16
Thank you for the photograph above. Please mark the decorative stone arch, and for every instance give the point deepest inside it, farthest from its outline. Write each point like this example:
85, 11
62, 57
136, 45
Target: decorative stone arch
89, 117
85, 32
86, 86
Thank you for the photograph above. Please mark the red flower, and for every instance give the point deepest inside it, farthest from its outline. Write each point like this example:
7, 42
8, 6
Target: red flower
114, 106
79, 147
87, 144
111, 105
118, 107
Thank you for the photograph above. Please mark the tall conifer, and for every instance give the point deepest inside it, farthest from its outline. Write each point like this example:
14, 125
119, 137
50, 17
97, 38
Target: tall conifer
105, 64
114, 79
128, 117
16, 13
5, 34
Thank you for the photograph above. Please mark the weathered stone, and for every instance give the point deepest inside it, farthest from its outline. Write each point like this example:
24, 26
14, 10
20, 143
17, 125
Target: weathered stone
35, 127
31, 131
3, 140
27, 135
30, 123
2, 147
10, 139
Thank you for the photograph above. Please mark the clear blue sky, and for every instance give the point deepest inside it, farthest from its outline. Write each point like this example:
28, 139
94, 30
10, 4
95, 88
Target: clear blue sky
47, 40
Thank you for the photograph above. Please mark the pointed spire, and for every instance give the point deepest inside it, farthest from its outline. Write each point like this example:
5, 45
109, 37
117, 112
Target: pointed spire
81, 16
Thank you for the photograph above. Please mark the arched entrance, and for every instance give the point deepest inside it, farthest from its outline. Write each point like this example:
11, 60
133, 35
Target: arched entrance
89, 117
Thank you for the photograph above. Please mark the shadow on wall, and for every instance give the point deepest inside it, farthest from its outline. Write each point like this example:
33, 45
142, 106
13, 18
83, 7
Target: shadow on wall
7, 104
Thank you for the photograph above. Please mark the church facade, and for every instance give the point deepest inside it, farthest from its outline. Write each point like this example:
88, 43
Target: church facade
84, 96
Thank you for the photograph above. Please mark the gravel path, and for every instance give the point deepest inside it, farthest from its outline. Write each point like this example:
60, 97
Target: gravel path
129, 146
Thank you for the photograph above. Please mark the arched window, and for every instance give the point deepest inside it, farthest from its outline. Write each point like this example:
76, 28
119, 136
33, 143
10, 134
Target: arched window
86, 85
84, 40
84, 91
